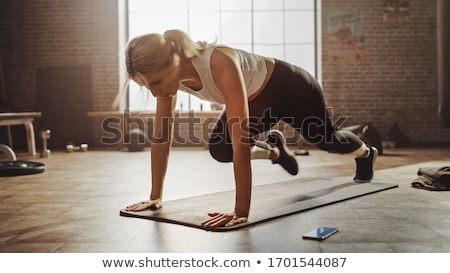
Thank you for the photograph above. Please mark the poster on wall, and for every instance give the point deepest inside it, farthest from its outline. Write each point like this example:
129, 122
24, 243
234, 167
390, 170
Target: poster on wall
346, 36
395, 12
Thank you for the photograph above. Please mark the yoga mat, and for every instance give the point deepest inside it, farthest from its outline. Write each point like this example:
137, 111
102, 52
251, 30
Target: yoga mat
269, 202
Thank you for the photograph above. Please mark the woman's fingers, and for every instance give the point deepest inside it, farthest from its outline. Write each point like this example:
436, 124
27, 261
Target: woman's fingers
236, 221
135, 207
152, 204
223, 220
218, 219
213, 214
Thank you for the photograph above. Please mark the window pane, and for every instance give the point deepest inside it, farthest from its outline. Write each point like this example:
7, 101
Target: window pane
182, 101
236, 28
268, 27
204, 26
236, 5
303, 56
274, 51
283, 29
299, 4
300, 27
140, 98
268, 4
156, 16
140, 5
206, 5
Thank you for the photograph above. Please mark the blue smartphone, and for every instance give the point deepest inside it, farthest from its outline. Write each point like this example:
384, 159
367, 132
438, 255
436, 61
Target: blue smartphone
320, 233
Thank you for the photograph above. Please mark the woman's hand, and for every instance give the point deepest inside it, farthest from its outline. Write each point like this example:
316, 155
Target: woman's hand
152, 204
223, 220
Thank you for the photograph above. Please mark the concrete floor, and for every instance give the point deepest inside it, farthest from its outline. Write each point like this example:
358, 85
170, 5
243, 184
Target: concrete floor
74, 206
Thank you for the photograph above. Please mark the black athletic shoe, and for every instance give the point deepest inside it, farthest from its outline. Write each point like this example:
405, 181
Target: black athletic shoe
287, 157
364, 167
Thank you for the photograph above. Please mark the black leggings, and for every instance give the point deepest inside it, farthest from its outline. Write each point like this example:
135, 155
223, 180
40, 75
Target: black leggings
295, 97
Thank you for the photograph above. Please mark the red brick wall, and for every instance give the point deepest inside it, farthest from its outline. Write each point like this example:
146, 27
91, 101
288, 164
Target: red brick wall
52, 33
397, 80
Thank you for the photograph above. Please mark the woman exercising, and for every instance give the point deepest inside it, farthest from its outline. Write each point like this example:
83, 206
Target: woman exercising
257, 93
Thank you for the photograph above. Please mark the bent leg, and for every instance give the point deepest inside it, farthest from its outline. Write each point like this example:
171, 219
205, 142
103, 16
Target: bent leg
343, 142
220, 146
220, 142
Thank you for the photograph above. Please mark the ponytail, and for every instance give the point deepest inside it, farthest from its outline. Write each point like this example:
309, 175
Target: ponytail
183, 44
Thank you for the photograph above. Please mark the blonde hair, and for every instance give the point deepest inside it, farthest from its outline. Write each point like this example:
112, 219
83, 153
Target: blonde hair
151, 52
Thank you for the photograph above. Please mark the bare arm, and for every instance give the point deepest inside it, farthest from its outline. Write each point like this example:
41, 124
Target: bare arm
161, 144
162, 141
228, 78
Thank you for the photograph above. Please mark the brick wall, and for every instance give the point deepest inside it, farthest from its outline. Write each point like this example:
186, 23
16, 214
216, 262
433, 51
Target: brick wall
397, 80
57, 33
52, 33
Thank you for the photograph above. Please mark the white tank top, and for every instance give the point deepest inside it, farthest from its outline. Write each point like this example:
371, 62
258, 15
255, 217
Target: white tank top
253, 67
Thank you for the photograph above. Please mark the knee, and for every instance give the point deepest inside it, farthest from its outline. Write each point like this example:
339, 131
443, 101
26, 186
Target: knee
220, 153
341, 142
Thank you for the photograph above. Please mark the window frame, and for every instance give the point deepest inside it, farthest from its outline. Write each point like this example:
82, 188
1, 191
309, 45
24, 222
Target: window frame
226, 7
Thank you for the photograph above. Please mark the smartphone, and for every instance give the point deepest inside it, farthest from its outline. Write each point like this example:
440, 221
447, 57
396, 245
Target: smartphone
320, 233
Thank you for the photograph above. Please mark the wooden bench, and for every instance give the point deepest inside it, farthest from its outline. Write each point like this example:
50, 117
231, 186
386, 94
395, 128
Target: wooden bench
22, 118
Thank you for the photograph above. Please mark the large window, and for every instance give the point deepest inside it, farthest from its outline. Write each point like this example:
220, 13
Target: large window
284, 29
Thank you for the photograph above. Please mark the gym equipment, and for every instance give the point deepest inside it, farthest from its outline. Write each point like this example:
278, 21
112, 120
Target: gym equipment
70, 148
20, 167
301, 152
14, 167
270, 201
135, 140
6, 150
25, 119
45, 134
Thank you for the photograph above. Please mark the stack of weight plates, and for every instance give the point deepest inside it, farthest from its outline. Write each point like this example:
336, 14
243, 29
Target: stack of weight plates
20, 167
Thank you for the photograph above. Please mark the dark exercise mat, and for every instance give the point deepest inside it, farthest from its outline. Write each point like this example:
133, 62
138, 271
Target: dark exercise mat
269, 202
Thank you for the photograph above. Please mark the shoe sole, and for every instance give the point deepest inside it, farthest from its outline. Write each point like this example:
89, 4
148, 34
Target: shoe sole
283, 147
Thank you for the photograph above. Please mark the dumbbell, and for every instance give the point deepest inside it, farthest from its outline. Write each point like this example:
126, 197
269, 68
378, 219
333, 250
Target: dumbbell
70, 148
45, 135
